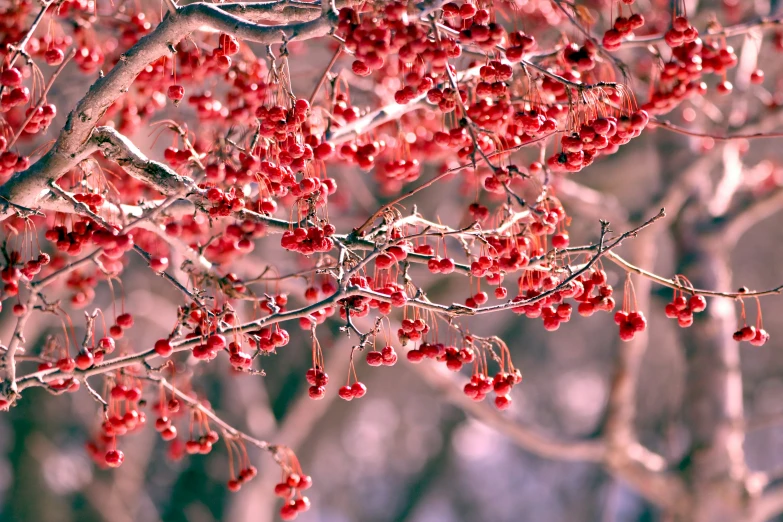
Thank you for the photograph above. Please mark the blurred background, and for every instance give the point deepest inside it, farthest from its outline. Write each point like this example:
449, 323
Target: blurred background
406, 452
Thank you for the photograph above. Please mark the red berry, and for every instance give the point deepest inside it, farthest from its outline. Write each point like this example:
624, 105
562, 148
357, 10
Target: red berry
374, 358
11, 77
358, 390
502, 402
560, 240
84, 360
697, 303
175, 93
345, 392
114, 458
163, 347
54, 56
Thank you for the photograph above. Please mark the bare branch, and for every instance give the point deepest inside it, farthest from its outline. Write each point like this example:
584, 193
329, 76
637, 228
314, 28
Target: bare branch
745, 216
525, 437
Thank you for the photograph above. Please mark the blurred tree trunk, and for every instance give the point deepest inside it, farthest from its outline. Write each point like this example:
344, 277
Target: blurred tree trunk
714, 466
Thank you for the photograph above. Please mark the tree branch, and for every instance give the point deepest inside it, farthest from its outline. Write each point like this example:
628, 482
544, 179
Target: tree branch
525, 437
747, 215
27, 187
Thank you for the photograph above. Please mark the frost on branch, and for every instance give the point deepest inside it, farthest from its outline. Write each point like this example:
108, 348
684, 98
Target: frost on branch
232, 201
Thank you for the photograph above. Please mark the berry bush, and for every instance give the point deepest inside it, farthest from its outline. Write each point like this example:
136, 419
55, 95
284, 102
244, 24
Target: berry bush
223, 148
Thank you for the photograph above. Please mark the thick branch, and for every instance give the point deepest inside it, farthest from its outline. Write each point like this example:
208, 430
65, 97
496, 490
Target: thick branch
523, 436
754, 211
25, 188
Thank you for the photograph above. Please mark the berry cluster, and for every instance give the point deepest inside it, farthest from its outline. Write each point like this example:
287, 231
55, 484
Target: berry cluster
681, 32
622, 27
310, 240
682, 308
290, 489
502, 383
124, 417
755, 335
600, 136
386, 357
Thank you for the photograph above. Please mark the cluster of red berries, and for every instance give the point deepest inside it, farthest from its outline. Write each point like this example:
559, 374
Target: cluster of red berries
621, 28
41, 118
344, 112
278, 122
455, 358
533, 282
397, 298
319, 316
519, 45
580, 58
426, 350
593, 293
357, 390
326, 288
239, 360
82, 284
202, 444
209, 349
237, 240
530, 124
224, 203
401, 170
139, 26
114, 245
441, 265
269, 339
11, 274
362, 155
310, 240
446, 100
477, 299
16, 94
85, 359
317, 378
683, 309
123, 322
602, 135
124, 395
386, 357
71, 242
681, 76
91, 199
499, 180
177, 157
475, 24
10, 161
755, 336
681, 32
291, 489
167, 430
478, 211
480, 385
630, 323
412, 330
457, 138
553, 315
315, 189
369, 40
513, 251
245, 475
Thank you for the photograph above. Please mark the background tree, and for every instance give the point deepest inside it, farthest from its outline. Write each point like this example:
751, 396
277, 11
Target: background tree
342, 185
